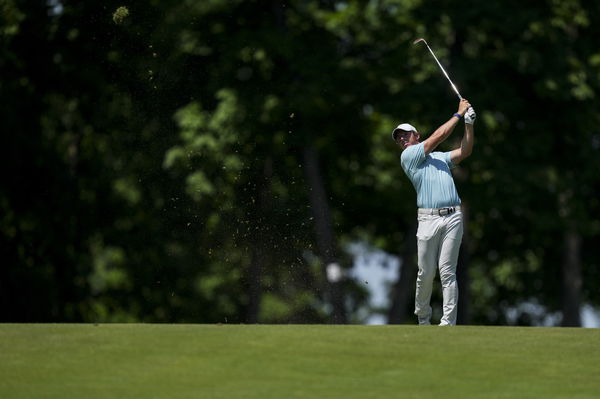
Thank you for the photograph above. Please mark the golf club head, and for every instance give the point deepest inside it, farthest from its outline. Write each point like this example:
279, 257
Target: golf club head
419, 40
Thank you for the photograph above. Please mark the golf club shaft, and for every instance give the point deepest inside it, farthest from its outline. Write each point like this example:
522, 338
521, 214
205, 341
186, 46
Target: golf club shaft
443, 70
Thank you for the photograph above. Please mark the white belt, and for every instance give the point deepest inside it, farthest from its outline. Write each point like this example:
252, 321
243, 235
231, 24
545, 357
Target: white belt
439, 211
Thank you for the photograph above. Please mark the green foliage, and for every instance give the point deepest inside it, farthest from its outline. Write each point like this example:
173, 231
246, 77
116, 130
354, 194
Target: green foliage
10, 19
120, 15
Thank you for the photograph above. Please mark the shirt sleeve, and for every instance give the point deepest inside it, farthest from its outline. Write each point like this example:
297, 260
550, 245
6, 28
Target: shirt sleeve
448, 159
412, 157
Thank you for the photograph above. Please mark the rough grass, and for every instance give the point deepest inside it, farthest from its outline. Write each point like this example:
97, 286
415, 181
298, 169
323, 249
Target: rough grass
296, 361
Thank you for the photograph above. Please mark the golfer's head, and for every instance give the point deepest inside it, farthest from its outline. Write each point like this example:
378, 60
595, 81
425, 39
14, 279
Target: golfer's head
405, 135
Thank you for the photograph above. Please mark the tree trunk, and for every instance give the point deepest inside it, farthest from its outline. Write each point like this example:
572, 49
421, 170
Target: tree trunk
571, 270
571, 265
462, 271
254, 284
405, 285
324, 233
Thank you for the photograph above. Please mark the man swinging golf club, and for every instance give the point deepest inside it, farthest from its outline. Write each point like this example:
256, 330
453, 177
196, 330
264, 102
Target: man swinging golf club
440, 228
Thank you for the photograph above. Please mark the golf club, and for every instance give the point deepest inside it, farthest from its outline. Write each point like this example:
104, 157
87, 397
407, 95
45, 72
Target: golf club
441, 67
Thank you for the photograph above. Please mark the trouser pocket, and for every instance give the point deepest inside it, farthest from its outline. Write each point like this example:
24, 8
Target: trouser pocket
426, 228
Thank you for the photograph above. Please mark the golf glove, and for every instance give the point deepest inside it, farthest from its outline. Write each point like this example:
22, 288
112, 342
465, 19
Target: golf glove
470, 116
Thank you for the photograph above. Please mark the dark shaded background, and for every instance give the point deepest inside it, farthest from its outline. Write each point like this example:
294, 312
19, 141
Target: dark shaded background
204, 161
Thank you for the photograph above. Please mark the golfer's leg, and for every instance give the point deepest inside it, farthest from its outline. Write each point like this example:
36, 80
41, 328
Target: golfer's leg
427, 250
449, 249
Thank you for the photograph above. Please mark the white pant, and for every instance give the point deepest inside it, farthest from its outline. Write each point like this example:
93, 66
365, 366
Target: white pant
438, 243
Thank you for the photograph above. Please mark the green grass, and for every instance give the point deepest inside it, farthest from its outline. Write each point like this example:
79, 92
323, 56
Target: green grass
296, 361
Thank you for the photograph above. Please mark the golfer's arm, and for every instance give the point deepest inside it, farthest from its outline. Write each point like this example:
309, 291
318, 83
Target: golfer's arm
466, 145
439, 135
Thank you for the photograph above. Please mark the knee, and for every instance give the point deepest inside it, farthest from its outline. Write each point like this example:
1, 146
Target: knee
448, 279
426, 274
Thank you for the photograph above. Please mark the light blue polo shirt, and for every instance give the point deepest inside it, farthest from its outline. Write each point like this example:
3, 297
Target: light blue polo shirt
431, 177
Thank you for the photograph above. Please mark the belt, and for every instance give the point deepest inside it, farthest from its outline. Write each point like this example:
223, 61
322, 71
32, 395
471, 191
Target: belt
439, 211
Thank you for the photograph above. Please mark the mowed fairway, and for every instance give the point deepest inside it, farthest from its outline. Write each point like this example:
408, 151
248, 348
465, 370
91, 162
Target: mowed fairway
296, 361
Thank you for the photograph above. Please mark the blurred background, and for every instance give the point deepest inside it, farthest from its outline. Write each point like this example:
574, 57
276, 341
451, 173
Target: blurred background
231, 161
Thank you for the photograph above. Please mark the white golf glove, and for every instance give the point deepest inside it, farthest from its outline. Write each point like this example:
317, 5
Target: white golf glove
470, 116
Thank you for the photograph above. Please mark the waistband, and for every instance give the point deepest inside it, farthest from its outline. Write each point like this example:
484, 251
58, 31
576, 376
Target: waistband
439, 211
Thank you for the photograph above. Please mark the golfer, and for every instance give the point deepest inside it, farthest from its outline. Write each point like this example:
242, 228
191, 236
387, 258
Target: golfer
440, 229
